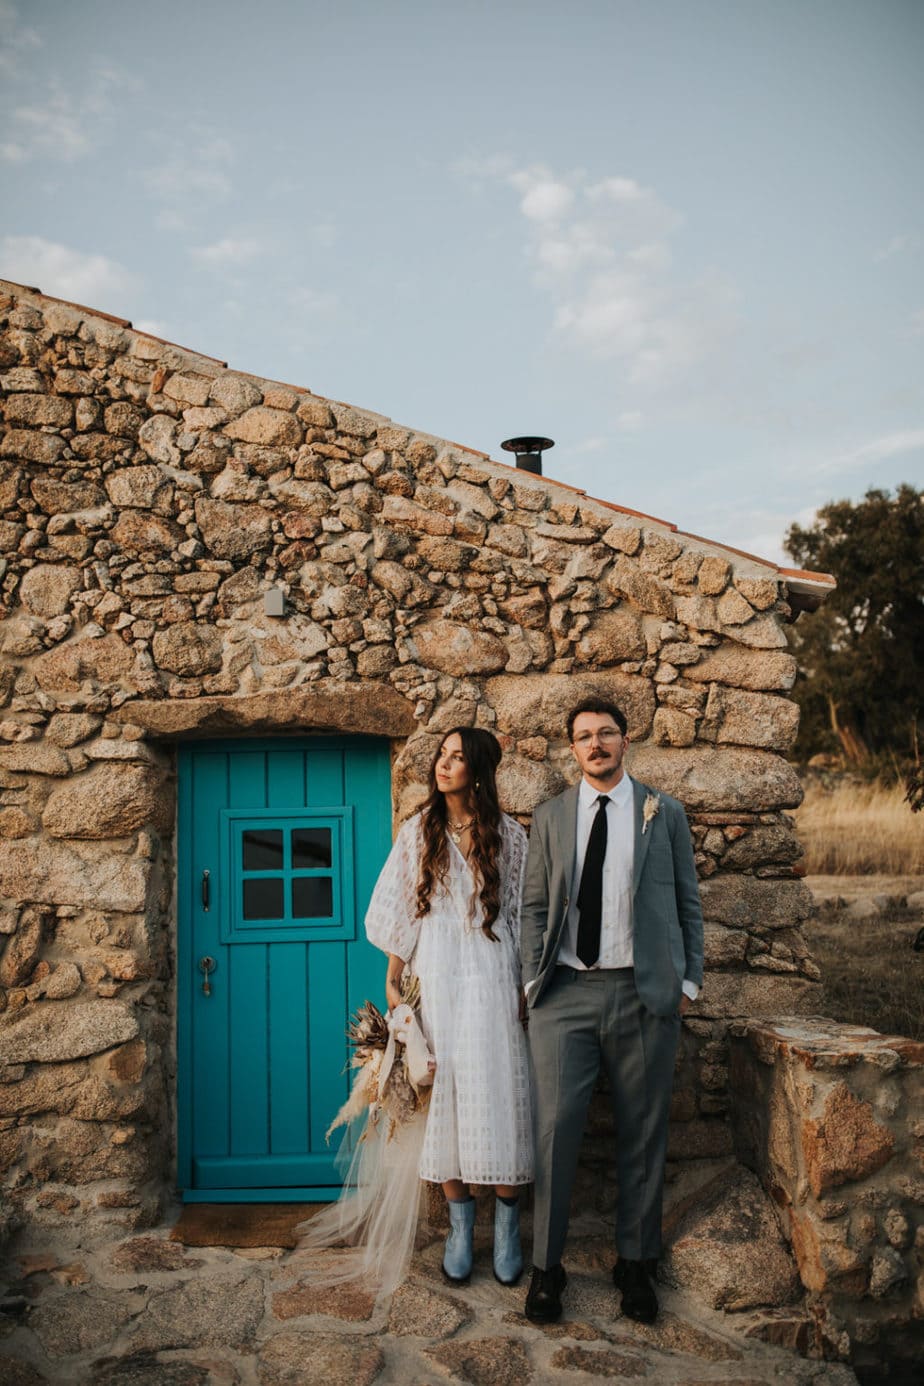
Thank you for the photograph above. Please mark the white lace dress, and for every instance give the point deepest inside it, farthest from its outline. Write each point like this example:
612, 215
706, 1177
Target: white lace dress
478, 1125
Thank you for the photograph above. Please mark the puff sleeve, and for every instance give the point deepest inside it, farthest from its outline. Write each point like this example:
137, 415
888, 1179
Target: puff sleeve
390, 921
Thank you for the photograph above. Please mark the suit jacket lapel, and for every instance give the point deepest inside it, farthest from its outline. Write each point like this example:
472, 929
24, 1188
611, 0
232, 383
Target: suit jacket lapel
640, 793
566, 835
567, 831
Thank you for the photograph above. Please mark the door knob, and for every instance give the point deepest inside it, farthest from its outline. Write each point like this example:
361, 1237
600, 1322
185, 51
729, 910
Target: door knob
206, 965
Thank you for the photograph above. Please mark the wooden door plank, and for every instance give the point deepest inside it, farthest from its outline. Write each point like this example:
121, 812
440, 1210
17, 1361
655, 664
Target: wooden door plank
324, 776
248, 1042
327, 1000
285, 777
288, 1048
327, 1047
248, 967
210, 1019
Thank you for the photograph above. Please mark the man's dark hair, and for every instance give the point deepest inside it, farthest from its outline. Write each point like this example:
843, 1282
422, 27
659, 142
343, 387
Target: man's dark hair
601, 706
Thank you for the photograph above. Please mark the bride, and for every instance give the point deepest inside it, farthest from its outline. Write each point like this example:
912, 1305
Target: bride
446, 907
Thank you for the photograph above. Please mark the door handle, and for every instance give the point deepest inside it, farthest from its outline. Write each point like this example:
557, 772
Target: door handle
205, 891
206, 965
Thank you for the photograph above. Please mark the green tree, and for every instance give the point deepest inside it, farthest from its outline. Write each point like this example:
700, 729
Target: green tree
861, 655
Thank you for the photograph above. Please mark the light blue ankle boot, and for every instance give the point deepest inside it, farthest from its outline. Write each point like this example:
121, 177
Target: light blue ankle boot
508, 1254
457, 1257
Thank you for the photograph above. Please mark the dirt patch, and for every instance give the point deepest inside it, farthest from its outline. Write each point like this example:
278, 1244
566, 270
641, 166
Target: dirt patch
241, 1224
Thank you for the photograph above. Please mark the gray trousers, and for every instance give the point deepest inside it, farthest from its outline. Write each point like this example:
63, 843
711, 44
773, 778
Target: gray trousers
584, 1018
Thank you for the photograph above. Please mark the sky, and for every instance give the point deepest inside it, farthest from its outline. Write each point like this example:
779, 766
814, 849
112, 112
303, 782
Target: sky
682, 238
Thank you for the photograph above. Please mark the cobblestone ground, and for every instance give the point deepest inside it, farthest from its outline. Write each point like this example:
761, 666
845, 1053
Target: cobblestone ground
147, 1311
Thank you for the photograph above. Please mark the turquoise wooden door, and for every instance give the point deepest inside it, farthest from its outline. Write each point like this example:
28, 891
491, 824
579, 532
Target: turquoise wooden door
279, 846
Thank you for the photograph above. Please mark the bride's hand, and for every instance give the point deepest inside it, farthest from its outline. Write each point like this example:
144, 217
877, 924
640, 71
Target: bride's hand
392, 995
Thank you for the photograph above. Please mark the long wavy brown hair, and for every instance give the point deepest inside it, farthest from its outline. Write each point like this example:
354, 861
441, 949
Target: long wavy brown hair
482, 755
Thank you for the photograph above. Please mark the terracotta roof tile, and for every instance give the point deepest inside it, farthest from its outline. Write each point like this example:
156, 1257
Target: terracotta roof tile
805, 574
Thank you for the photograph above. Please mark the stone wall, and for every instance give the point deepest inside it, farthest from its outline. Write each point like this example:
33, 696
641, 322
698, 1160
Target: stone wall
149, 499
832, 1119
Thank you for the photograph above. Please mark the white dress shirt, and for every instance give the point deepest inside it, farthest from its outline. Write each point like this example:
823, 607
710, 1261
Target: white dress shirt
616, 913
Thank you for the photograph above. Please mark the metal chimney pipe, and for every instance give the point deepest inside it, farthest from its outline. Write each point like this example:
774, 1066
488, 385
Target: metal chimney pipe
529, 452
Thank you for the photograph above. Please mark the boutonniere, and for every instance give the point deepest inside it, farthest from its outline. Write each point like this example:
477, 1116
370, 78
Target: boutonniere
650, 809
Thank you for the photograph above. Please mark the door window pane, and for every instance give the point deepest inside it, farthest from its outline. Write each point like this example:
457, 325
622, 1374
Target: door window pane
311, 847
312, 897
262, 850
263, 898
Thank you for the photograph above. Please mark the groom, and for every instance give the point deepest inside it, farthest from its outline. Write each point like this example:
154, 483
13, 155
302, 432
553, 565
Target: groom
612, 948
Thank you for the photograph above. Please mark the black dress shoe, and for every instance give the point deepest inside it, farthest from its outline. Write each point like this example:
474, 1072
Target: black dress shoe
543, 1301
639, 1300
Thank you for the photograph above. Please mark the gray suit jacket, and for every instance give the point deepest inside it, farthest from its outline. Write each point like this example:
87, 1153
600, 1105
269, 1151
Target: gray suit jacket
667, 914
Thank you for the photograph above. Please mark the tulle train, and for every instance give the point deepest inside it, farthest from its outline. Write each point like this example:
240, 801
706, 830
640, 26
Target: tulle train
376, 1216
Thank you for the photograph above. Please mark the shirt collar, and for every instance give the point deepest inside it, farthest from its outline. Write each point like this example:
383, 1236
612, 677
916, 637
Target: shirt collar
619, 794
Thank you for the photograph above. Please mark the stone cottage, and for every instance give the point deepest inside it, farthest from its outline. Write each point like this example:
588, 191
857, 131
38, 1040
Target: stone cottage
236, 618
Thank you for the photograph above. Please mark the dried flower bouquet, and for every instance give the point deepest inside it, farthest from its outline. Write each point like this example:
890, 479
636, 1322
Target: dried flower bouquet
392, 1064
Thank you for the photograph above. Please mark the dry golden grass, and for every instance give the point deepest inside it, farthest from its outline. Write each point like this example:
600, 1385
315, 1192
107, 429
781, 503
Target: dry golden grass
858, 829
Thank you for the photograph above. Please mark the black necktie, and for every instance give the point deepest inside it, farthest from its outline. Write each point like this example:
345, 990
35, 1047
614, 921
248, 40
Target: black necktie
590, 894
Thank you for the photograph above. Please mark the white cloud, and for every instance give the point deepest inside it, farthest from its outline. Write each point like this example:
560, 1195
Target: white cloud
653, 255
53, 127
637, 317
896, 246
617, 190
569, 249
15, 39
613, 314
62, 120
180, 178
230, 250
601, 250
543, 198
877, 450
195, 169
63, 272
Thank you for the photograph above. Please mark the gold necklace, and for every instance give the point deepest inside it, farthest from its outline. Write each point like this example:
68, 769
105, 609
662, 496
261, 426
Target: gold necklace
457, 829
